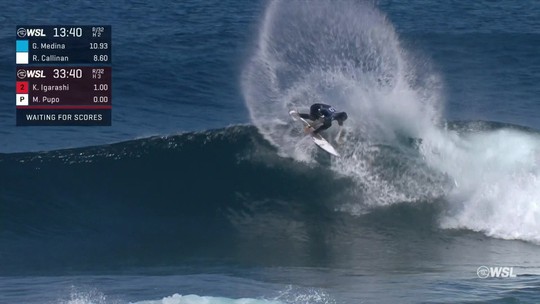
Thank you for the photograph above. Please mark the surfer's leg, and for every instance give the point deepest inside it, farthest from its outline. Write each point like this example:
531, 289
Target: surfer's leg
304, 116
340, 136
327, 124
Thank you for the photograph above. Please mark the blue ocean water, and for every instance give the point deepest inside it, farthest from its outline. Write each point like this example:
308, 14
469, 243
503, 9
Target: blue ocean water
203, 190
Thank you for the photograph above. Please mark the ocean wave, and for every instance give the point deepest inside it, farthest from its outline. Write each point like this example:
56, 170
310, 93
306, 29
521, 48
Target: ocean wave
224, 193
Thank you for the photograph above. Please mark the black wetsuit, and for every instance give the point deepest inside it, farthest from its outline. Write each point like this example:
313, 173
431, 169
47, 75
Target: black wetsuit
327, 112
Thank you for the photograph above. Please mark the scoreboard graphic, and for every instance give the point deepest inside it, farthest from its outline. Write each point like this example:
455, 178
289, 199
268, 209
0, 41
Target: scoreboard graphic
63, 75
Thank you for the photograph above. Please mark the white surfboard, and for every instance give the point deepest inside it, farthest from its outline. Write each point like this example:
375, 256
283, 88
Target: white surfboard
317, 138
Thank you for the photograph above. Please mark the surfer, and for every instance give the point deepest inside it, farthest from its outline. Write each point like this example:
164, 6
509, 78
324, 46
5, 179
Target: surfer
325, 114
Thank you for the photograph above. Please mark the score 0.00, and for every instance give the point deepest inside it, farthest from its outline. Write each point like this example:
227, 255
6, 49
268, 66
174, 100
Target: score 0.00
101, 99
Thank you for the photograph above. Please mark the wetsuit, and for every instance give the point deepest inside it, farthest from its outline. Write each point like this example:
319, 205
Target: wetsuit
327, 113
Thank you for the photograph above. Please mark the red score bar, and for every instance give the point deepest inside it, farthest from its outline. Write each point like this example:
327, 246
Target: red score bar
65, 107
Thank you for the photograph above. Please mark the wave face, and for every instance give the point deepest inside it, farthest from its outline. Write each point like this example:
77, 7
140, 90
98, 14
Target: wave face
227, 195
155, 200
347, 53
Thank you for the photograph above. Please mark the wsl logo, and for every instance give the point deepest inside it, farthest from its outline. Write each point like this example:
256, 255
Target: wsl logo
23, 32
22, 74
485, 272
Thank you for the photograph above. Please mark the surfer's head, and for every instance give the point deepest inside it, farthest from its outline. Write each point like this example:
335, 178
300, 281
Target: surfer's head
340, 117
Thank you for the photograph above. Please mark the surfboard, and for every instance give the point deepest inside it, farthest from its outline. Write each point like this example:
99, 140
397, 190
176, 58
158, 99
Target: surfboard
317, 138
